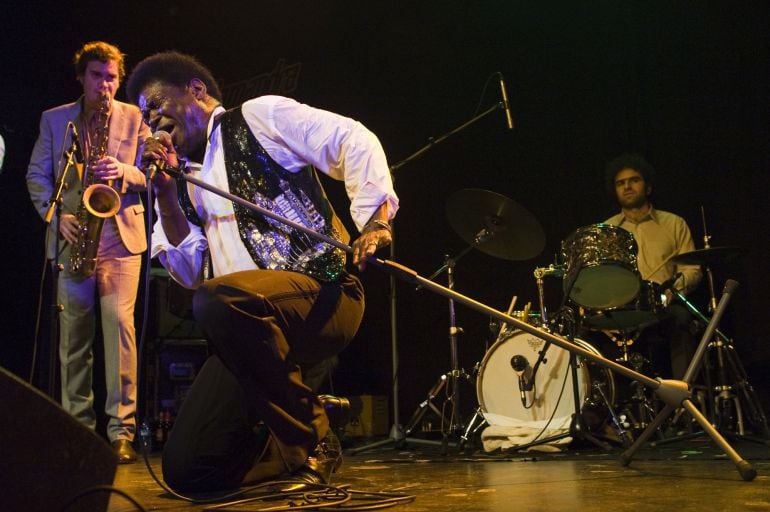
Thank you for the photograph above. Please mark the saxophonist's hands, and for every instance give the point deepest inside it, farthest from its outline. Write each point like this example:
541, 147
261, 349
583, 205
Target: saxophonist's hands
108, 169
68, 227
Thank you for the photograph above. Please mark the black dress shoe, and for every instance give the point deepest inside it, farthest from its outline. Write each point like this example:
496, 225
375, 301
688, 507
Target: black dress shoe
124, 450
325, 459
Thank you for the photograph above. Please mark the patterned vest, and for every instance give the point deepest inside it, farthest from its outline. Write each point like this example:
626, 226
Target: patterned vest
299, 197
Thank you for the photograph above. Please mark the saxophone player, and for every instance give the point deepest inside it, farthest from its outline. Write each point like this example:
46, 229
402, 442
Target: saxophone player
110, 154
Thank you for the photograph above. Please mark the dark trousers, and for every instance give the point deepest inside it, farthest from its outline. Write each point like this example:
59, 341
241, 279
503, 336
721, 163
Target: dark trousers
263, 325
671, 343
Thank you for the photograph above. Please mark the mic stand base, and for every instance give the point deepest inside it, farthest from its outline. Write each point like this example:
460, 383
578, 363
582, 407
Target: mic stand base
677, 393
450, 428
395, 437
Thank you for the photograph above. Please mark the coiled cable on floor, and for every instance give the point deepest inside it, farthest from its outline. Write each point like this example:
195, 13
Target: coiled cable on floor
299, 495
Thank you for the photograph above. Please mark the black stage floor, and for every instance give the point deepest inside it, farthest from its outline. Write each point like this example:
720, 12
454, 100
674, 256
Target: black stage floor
684, 475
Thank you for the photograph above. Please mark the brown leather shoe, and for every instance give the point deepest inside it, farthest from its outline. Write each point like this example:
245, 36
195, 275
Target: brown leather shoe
124, 450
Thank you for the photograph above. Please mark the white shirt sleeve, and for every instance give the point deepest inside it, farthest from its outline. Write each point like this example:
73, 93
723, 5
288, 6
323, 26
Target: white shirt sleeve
296, 135
183, 262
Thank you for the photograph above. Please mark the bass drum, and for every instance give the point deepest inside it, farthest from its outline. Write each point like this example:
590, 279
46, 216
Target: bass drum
497, 386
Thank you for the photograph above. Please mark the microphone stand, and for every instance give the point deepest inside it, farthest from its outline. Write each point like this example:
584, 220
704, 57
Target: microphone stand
54, 209
726, 359
672, 392
397, 435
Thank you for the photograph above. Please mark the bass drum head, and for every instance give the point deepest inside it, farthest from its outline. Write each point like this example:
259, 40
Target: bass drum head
497, 386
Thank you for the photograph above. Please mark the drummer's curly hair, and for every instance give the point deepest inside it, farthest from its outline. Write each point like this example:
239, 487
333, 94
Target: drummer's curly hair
633, 161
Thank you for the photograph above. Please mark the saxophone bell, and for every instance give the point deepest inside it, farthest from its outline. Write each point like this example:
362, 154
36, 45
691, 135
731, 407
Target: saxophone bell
101, 200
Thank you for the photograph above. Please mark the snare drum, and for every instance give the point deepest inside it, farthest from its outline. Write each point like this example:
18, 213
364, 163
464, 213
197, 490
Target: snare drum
600, 266
497, 385
646, 309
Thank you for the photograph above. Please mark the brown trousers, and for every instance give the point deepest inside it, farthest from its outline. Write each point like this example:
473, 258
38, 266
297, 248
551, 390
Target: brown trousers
262, 325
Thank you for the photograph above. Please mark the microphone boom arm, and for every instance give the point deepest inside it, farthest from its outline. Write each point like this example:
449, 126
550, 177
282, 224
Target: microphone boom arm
432, 141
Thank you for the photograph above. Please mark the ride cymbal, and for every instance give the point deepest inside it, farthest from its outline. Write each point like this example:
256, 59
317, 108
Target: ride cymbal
495, 224
708, 256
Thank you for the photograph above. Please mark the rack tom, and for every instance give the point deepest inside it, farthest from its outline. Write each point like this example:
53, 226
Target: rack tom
600, 269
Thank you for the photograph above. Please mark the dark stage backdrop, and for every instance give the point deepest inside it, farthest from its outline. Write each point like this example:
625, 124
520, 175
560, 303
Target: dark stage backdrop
686, 83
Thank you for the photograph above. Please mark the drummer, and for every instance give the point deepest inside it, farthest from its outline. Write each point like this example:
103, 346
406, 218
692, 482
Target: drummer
660, 236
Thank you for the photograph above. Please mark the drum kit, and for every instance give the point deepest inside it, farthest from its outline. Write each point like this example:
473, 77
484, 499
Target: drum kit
562, 396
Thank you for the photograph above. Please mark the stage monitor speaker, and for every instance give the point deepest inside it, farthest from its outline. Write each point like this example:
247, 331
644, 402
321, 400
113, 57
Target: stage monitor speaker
47, 458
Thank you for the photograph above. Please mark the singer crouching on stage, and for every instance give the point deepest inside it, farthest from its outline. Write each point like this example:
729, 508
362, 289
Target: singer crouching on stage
279, 301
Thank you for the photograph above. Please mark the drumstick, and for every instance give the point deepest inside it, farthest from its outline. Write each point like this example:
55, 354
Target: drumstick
525, 314
510, 310
658, 267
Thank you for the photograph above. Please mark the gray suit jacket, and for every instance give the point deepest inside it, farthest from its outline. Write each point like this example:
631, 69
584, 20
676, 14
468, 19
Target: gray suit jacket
126, 135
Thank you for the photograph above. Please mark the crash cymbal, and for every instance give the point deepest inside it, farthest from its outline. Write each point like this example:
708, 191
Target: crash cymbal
495, 224
707, 256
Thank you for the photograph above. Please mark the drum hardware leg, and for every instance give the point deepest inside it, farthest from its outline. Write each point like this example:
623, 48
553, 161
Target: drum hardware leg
427, 404
637, 411
641, 410
626, 438
578, 427
451, 426
731, 395
475, 424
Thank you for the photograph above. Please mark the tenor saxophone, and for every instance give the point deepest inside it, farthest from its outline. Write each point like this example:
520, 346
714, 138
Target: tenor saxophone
100, 201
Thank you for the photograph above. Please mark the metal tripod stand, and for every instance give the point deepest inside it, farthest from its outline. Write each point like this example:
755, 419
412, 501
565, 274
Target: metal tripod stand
448, 383
637, 410
681, 397
731, 399
397, 435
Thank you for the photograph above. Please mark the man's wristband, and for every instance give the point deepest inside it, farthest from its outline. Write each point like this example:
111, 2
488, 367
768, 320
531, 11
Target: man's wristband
378, 224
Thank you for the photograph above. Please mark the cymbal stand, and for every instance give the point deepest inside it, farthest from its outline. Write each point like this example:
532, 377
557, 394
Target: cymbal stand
450, 381
397, 434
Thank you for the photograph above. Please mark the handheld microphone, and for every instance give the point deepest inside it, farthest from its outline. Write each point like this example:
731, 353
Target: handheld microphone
157, 165
506, 106
523, 370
